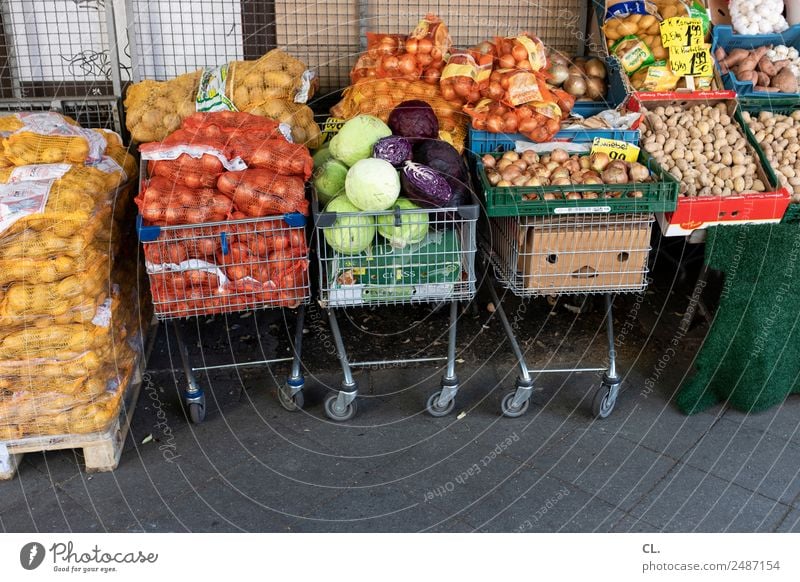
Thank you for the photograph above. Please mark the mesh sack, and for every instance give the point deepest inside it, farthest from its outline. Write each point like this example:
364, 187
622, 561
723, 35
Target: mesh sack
182, 171
380, 97
276, 155
299, 117
165, 203
34, 244
154, 109
49, 269
231, 125
276, 75
14, 122
259, 192
35, 342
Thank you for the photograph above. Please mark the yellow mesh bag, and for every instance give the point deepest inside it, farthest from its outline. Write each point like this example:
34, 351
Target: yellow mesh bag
276, 75
298, 116
121, 156
50, 269
379, 97
36, 342
154, 109
27, 147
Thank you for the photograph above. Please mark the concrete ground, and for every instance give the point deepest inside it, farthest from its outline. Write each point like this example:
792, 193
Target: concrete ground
254, 467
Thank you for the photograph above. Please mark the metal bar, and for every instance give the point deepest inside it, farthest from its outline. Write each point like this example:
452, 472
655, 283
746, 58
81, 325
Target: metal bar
523, 367
451, 342
242, 364
612, 351
133, 42
192, 387
566, 370
298, 341
340, 351
393, 362
113, 49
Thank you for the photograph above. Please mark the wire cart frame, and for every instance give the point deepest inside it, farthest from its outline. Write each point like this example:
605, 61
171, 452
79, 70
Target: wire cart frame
191, 271
438, 266
567, 254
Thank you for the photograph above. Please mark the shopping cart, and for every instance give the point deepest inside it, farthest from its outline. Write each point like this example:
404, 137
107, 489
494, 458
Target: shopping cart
535, 256
202, 269
436, 265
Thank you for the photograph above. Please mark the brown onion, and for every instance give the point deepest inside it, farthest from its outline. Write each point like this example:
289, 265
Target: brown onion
599, 161
559, 155
595, 68
638, 172
489, 160
615, 175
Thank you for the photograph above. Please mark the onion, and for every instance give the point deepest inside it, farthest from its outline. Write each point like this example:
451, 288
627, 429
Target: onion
504, 184
636, 194
595, 68
595, 88
575, 85
407, 64
615, 175
585, 163
530, 157
534, 181
599, 161
558, 59
561, 182
572, 165
494, 178
560, 172
574, 196
511, 155
503, 163
488, 161
559, 156
638, 172
558, 74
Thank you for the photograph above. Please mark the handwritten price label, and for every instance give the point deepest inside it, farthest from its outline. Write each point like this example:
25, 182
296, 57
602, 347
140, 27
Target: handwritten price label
681, 31
691, 61
615, 149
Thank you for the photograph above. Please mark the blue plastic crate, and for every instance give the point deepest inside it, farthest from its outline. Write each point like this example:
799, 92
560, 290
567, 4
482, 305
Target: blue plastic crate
727, 39
483, 142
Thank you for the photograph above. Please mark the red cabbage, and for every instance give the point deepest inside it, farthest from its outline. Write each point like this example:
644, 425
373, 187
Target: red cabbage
394, 149
425, 186
445, 159
414, 120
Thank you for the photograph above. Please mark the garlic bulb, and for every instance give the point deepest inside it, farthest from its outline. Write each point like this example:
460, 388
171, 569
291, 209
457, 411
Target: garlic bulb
757, 16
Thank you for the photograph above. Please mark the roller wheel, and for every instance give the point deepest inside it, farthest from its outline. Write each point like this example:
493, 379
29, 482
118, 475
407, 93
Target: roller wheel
197, 412
291, 403
348, 414
603, 403
435, 410
510, 411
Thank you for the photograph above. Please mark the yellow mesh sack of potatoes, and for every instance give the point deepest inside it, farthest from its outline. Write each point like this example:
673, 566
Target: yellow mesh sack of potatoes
154, 109
276, 75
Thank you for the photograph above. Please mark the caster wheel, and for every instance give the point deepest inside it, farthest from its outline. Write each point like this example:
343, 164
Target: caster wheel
197, 412
511, 411
433, 408
602, 403
291, 403
340, 416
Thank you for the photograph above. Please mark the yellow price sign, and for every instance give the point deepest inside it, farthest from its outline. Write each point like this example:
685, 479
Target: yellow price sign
691, 61
681, 31
331, 127
615, 149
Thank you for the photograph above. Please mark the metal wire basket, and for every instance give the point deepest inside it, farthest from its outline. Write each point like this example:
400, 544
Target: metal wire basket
435, 262
200, 269
94, 112
536, 255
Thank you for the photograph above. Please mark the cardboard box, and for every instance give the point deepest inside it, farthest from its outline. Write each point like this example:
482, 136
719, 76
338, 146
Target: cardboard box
568, 254
718, 12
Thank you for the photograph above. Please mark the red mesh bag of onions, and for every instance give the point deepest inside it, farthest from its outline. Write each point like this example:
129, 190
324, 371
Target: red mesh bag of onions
261, 192
166, 203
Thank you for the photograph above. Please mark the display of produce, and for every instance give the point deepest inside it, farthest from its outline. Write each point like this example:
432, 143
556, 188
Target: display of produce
275, 86
584, 79
705, 148
761, 67
757, 16
68, 315
777, 135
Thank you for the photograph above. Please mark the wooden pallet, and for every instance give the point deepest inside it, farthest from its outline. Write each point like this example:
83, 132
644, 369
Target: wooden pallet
101, 450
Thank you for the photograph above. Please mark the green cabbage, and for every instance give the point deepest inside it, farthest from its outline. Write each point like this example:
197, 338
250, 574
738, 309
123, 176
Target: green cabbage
372, 184
329, 180
357, 137
321, 156
349, 235
412, 227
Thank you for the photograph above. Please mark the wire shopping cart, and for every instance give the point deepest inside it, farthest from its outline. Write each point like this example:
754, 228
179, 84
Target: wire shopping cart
219, 268
571, 239
359, 267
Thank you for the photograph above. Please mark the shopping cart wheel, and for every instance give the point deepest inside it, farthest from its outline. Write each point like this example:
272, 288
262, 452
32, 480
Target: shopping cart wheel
289, 402
331, 411
511, 411
434, 409
197, 412
604, 401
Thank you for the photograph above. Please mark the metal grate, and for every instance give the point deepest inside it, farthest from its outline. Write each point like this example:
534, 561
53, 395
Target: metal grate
57, 48
178, 36
571, 254
435, 263
98, 113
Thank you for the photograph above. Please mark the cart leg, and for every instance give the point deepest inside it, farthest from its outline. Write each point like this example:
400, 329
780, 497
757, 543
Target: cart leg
194, 397
342, 405
443, 402
605, 398
9, 462
516, 402
291, 395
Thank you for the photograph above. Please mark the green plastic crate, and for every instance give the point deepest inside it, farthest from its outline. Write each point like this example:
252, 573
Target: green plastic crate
658, 196
792, 213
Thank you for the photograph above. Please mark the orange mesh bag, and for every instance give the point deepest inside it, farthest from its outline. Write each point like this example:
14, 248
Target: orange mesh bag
299, 117
153, 109
230, 124
277, 155
464, 76
539, 123
163, 202
188, 171
379, 97
259, 192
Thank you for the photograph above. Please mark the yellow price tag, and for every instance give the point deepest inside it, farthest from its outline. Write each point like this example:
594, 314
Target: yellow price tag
331, 127
615, 149
691, 61
681, 31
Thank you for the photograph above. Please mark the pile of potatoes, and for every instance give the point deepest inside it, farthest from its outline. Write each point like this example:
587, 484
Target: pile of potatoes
777, 135
645, 26
704, 148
